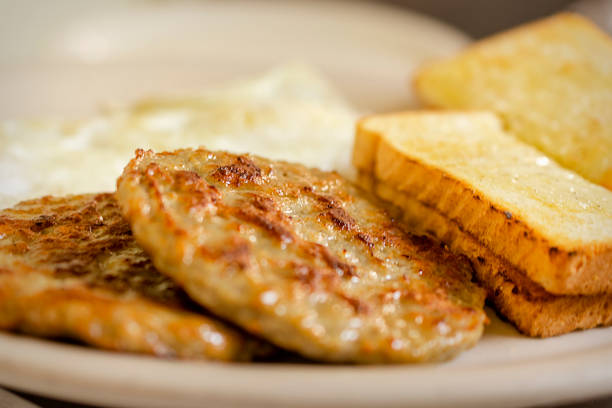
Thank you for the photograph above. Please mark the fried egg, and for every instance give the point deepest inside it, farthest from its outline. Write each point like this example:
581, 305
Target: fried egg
289, 113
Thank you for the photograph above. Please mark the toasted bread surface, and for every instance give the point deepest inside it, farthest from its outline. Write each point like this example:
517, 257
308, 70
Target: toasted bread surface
70, 268
551, 82
523, 302
542, 218
300, 257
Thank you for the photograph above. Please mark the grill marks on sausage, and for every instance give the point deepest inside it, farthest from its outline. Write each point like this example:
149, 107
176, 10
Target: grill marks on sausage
359, 306
323, 270
262, 211
340, 218
195, 191
321, 253
242, 171
77, 241
139, 275
76, 249
336, 213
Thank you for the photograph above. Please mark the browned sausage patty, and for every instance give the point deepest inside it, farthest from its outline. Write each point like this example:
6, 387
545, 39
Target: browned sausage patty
69, 267
300, 257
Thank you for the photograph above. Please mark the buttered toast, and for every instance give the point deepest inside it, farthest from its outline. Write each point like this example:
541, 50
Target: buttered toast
533, 311
515, 212
551, 83
546, 220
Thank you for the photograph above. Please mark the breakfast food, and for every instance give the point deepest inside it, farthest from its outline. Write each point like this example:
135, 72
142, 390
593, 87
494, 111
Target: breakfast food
288, 113
70, 268
539, 236
551, 83
300, 257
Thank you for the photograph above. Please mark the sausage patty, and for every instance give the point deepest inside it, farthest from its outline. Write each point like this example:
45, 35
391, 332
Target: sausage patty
300, 257
69, 267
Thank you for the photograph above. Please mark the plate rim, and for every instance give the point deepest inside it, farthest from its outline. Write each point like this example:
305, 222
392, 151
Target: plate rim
438, 384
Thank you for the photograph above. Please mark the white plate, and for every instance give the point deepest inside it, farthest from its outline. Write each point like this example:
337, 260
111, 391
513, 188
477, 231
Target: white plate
503, 370
66, 58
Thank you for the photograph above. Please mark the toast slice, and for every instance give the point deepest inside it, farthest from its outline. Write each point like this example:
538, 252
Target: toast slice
550, 81
545, 220
526, 304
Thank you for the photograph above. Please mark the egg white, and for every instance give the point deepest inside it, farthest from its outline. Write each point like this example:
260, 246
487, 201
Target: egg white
289, 113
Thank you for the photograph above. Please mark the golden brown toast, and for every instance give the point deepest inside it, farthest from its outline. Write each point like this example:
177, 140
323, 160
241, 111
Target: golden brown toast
550, 81
545, 220
527, 305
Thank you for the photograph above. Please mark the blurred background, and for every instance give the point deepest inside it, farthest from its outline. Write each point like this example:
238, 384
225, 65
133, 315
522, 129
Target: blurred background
67, 58
479, 18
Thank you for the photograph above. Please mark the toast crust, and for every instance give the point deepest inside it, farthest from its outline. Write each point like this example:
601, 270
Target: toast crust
565, 268
523, 302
